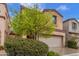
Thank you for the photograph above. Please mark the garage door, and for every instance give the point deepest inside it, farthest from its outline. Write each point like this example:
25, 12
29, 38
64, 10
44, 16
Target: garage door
52, 41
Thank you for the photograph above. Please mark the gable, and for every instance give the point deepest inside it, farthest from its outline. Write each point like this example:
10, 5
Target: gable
53, 11
71, 19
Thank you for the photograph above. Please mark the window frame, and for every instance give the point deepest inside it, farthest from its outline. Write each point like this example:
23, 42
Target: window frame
74, 26
54, 19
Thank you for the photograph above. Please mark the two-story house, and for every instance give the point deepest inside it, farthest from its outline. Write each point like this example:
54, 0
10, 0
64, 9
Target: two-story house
4, 21
57, 38
71, 27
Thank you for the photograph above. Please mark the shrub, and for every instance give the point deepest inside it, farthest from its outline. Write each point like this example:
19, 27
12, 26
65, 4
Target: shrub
72, 43
1, 48
21, 47
51, 53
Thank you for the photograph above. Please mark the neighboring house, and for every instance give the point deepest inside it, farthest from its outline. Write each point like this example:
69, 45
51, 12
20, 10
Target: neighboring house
71, 27
4, 21
57, 38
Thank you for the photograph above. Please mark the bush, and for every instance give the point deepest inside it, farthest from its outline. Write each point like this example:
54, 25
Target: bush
51, 53
72, 43
25, 47
1, 48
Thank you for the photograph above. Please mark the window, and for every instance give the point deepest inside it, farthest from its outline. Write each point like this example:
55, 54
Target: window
74, 26
54, 19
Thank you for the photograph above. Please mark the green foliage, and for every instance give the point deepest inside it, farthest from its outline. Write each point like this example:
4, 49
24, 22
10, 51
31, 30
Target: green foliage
72, 43
25, 47
32, 21
51, 53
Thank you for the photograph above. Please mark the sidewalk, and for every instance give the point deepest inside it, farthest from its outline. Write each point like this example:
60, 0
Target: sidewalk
2, 53
73, 54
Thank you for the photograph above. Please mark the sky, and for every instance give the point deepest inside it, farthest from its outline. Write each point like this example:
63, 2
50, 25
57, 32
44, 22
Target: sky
13, 7
68, 10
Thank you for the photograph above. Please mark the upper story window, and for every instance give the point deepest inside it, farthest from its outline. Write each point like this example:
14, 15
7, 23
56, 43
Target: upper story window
74, 26
54, 18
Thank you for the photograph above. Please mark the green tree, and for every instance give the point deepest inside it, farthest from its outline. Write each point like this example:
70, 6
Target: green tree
31, 21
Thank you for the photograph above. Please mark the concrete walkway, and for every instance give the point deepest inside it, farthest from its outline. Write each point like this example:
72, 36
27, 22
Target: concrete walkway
73, 54
65, 51
2, 53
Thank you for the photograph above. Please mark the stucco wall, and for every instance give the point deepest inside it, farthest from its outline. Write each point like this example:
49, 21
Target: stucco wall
59, 23
69, 31
2, 30
3, 10
4, 19
66, 26
70, 26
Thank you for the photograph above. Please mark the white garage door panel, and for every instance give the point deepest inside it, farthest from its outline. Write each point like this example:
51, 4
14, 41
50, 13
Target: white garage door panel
53, 41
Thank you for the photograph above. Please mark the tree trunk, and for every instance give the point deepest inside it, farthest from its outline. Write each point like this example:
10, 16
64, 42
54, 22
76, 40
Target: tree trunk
38, 37
35, 36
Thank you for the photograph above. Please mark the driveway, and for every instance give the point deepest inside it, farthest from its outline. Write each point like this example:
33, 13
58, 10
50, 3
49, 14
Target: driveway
65, 51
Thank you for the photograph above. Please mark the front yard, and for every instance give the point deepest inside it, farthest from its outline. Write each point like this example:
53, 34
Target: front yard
61, 51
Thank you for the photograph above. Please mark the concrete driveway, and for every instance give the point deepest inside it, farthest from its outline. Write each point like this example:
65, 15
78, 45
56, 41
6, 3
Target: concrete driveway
65, 51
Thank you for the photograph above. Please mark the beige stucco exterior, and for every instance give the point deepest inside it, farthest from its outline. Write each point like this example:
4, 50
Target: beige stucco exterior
59, 22
4, 20
69, 31
68, 28
59, 31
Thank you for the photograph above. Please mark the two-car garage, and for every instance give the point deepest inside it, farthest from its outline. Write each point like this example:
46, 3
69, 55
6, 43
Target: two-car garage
53, 41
